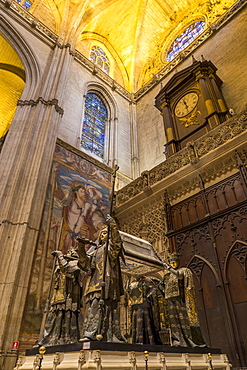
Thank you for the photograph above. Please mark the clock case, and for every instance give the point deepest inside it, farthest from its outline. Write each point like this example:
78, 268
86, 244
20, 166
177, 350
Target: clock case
210, 110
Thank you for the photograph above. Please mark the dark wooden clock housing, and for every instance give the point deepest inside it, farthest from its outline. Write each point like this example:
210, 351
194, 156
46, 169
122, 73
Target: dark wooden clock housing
191, 104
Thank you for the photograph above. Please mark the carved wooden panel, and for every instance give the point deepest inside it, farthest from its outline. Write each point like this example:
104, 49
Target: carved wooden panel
218, 198
209, 231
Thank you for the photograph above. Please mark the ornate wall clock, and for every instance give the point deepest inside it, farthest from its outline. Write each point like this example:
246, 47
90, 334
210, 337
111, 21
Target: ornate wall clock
186, 104
191, 104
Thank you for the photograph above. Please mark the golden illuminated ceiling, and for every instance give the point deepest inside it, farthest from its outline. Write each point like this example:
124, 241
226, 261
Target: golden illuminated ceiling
135, 34
12, 83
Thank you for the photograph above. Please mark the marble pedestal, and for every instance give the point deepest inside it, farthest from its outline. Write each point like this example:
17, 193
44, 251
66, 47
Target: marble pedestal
114, 356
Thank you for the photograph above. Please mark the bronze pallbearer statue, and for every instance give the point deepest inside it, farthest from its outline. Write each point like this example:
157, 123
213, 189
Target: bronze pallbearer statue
179, 291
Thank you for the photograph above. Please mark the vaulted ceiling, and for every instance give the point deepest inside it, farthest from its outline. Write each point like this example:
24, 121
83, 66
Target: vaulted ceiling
136, 34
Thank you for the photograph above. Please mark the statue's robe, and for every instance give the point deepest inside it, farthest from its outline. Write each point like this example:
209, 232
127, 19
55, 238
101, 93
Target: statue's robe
103, 319
179, 291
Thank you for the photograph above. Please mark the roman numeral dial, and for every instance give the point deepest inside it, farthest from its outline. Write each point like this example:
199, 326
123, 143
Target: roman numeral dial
186, 104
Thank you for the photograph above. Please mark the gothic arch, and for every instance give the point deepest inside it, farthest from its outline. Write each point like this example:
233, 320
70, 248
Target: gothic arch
106, 95
197, 266
26, 55
239, 249
115, 60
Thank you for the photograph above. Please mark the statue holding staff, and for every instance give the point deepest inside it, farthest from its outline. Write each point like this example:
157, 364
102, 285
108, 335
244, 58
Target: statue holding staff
102, 315
63, 323
179, 291
104, 286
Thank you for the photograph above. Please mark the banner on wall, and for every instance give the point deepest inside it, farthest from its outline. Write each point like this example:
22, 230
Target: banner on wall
81, 192
77, 203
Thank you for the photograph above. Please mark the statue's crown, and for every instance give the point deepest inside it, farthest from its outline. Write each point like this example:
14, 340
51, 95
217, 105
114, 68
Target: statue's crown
173, 257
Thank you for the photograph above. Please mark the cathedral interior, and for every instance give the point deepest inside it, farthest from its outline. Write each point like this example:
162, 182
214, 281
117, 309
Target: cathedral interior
157, 88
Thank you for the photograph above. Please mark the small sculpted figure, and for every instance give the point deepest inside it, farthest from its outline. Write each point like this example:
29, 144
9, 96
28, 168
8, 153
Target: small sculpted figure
144, 314
179, 291
64, 320
102, 311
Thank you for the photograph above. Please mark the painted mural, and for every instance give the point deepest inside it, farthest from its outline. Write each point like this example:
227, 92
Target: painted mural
81, 197
77, 204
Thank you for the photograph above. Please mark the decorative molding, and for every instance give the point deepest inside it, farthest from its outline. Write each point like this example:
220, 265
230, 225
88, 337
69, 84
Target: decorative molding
190, 155
97, 359
102, 76
148, 220
82, 359
84, 155
30, 19
162, 360
51, 36
58, 358
132, 360
239, 252
196, 265
33, 103
19, 223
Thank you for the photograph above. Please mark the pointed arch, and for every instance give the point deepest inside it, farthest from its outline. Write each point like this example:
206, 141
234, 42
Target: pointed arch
32, 71
192, 265
110, 132
239, 250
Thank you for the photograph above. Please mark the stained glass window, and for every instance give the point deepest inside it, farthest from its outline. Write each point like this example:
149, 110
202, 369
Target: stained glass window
26, 4
99, 57
186, 38
93, 128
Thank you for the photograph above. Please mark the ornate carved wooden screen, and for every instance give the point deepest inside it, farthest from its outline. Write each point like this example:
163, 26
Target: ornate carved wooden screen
209, 231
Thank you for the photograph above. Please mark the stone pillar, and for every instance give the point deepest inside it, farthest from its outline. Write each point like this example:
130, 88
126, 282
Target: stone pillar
25, 162
134, 141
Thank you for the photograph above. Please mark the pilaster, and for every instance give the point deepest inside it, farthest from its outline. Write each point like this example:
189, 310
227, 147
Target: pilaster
25, 163
134, 141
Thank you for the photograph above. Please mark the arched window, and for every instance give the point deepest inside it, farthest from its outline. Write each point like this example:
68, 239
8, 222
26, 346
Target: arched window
186, 38
26, 4
93, 127
99, 57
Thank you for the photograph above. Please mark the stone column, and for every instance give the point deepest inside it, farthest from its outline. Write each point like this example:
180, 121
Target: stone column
25, 162
134, 142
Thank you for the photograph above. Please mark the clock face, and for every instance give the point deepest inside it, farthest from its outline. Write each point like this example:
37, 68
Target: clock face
186, 104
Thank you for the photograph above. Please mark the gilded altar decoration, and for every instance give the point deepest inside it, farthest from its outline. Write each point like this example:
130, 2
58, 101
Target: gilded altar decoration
190, 120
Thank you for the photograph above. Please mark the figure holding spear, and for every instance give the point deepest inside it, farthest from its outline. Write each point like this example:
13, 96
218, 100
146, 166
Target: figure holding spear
63, 320
104, 286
